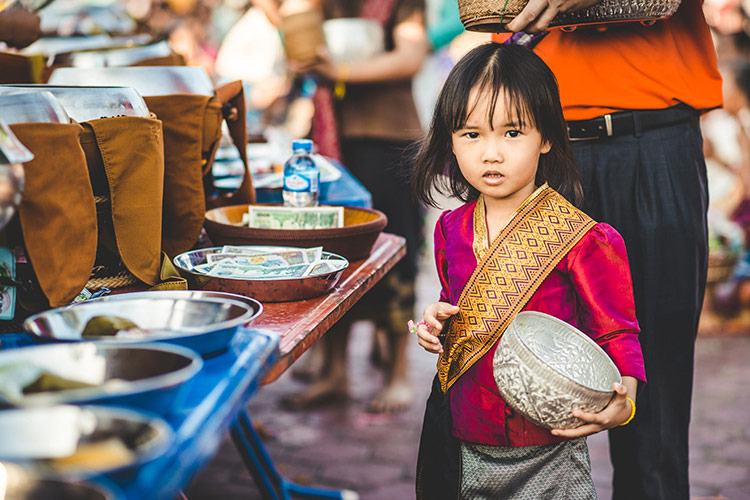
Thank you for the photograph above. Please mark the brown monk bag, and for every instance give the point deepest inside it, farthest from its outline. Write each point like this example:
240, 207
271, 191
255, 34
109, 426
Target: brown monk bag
192, 133
90, 216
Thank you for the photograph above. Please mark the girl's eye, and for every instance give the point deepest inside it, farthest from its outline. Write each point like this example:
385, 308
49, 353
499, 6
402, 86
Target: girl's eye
471, 135
513, 133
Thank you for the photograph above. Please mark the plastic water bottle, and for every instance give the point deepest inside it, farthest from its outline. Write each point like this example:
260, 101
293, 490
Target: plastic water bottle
301, 176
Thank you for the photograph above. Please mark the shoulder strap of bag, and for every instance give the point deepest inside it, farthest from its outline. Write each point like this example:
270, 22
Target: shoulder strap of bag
232, 97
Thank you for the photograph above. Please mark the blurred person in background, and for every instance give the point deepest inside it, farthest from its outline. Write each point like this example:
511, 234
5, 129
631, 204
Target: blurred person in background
369, 127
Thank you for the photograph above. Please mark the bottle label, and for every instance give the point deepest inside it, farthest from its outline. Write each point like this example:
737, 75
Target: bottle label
297, 183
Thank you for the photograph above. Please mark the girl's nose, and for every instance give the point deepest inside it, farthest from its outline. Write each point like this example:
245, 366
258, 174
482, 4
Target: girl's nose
492, 152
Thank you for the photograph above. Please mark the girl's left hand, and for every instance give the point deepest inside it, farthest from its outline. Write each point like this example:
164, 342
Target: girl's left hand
615, 413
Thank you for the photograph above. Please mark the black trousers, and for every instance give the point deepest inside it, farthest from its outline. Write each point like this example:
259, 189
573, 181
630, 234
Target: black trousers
652, 188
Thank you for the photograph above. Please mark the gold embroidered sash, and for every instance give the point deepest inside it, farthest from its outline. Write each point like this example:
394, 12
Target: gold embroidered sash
527, 249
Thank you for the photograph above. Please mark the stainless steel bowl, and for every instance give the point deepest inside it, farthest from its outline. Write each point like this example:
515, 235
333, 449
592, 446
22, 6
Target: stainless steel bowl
193, 319
147, 80
32, 107
151, 377
49, 46
122, 56
19, 484
545, 368
82, 441
350, 40
263, 289
90, 103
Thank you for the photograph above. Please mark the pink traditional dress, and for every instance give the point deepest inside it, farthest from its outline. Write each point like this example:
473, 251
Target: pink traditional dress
551, 258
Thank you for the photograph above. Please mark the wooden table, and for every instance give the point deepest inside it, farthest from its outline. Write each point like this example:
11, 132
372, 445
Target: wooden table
300, 324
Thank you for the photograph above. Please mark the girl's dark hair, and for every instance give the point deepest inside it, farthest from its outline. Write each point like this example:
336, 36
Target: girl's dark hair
530, 89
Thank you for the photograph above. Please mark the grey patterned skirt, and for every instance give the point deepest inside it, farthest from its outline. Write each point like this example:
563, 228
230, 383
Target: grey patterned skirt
560, 471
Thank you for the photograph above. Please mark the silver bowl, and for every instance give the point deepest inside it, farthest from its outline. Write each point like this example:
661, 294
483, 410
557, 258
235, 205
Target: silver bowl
49, 46
263, 289
90, 103
152, 377
350, 40
64, 440
147, 80
191, 319
545, 368
119, 56
32, 107
19, 484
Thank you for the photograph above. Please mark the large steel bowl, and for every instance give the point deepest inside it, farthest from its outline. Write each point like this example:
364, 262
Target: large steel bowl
263, 289
90, 103
64, 440
18, 484
545, 368
32, 107
152, 377
49, 46
147, 80
196, 320
119, 56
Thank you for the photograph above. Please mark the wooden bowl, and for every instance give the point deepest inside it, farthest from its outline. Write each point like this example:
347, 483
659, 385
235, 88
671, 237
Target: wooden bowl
354, 241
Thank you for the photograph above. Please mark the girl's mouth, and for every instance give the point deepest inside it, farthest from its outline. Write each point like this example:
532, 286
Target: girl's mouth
493, 178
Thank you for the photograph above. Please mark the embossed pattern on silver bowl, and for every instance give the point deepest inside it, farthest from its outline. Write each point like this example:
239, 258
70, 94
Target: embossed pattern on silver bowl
545, 368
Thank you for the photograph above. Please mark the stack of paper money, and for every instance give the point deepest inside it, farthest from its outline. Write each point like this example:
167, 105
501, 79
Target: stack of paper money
247, 262
273, 217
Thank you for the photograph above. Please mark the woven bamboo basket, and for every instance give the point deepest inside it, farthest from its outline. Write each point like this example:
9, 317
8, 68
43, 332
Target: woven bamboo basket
492, 15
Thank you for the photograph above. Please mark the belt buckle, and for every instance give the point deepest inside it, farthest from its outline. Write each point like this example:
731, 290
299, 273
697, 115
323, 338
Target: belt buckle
608, 129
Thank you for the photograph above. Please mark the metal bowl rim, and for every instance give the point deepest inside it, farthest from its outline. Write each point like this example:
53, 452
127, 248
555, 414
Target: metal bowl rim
579, 334
209, 294
73, 396
161, 426
199, 275
187, 331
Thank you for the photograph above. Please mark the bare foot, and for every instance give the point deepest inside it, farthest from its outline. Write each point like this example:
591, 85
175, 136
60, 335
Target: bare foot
394, 398
326, 390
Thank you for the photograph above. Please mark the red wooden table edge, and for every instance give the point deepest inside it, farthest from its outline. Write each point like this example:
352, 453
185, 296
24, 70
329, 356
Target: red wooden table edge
320, 313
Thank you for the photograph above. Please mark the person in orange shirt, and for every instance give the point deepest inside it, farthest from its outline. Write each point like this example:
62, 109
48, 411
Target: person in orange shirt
632, 96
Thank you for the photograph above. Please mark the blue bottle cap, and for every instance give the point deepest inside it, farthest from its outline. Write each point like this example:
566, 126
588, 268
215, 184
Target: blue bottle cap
303, 144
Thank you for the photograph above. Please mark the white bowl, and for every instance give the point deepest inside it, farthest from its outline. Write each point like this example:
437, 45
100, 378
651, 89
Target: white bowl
351, 39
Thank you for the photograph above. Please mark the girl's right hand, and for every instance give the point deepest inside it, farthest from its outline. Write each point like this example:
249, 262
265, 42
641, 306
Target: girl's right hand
434, 318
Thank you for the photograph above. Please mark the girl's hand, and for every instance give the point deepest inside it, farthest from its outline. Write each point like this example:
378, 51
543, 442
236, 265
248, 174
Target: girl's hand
615, 413
434, 318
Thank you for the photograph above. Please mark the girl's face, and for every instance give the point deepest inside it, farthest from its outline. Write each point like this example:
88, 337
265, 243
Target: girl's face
500, 159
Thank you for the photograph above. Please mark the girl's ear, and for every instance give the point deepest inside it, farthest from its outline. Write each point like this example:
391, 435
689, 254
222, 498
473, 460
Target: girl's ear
546, 147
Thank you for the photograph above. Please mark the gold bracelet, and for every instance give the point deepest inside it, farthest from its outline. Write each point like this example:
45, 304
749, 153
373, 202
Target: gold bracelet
342, 74
632, 412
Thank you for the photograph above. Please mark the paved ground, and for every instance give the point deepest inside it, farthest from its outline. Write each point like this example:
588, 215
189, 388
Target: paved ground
340, 445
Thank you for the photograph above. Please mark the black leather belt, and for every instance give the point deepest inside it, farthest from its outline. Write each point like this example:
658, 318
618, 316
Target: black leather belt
628, 122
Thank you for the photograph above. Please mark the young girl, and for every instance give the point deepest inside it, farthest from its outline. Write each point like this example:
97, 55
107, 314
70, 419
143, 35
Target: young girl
498, 142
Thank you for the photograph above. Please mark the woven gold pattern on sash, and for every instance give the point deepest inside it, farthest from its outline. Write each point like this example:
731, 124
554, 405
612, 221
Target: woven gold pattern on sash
525, 251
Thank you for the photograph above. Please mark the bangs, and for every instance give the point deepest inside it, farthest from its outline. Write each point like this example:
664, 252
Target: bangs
488, 84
